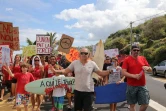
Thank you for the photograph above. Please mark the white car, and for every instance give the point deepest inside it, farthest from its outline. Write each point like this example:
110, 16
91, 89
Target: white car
160, 69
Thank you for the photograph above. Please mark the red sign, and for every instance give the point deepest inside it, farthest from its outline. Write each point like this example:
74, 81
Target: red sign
6, 34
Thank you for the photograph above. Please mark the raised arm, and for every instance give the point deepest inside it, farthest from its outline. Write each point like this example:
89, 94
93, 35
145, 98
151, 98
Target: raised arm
9, 71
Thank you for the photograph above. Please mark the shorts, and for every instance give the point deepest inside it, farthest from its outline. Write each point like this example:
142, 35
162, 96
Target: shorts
138, 94
22, 99
69, 95
83, 100
59, 102
14, 80
7, 84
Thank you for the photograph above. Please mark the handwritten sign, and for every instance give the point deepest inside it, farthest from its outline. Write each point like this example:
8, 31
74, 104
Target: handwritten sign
6, 34
4, 56
16, 44
43, 44
73, 55
29, 50
65, 43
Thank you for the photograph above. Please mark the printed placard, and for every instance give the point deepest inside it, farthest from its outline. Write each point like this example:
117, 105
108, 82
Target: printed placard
16, 43
112, 52
65, 43
6, 33
43, 44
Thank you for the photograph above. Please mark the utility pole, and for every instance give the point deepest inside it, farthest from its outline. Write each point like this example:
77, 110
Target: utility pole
131, 33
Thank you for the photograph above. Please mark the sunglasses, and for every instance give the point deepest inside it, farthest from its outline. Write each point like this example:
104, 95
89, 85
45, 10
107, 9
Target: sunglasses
36, 60
84, 53
136, 50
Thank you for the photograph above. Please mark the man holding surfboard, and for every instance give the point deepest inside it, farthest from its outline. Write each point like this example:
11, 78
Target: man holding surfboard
84, 85
133, 68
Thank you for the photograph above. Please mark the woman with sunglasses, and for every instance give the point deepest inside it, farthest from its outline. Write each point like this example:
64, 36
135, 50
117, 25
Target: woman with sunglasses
114, 77
37, 70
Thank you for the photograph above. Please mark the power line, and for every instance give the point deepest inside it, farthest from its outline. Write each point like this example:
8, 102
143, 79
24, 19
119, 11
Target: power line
149, 17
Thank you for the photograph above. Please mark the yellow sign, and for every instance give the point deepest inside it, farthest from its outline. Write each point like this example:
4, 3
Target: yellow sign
29, 50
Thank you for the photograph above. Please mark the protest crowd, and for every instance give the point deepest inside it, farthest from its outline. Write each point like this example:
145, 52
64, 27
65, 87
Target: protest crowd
81, 65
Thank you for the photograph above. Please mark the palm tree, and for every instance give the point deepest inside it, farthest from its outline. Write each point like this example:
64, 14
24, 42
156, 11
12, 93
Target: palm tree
53, 41
30, 42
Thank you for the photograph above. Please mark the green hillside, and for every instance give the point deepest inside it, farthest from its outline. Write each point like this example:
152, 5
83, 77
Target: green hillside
151, 36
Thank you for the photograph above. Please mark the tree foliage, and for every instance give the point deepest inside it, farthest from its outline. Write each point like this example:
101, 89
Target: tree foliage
30, 42
152, 38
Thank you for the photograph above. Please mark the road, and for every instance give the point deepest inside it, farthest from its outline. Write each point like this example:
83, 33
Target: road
154, 84
157, 94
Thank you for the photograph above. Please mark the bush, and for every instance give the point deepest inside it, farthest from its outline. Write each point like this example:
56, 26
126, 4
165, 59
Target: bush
160, 55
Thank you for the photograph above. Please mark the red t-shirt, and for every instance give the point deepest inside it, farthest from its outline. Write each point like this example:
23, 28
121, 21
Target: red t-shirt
17, 69
134, 66
6, 75
36, 73
22, 80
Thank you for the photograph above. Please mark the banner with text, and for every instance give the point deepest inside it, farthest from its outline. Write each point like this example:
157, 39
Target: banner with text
6, 34
4, 56
43, 44
65, 43
112, 52
16, 43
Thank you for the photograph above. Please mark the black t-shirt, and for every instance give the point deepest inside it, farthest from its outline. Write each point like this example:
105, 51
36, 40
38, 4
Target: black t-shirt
106, 65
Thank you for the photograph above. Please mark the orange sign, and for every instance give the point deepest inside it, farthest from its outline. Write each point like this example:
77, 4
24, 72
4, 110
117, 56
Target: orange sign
72, 55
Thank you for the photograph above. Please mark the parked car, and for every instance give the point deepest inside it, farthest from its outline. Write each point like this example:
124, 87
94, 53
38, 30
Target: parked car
160, 69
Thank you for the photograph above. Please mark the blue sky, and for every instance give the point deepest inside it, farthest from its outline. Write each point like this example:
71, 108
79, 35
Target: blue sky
87, 21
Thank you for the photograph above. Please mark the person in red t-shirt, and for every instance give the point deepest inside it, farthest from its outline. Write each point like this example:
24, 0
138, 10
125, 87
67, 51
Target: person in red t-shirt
23, 78
134, 67
5, 83
37, 70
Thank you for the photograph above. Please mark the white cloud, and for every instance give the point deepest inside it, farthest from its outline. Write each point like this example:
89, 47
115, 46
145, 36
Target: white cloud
108, 16
31, 34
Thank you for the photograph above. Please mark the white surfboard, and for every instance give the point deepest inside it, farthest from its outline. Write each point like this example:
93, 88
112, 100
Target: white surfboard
40, 86
99, 57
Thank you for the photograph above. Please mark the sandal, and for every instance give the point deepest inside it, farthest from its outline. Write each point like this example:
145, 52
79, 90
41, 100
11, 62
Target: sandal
14, 107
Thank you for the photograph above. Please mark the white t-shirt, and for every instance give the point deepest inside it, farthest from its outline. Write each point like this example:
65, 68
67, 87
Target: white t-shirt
116, 75
59, 92
83, 75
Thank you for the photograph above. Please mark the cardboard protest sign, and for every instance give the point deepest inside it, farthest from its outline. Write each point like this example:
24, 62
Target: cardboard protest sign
73, 55
29, 50
65, 43
6, 33
4, 56
16, 43
43, 44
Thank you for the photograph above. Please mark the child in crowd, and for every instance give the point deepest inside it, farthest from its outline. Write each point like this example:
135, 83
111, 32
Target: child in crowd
23, 78
58, 96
